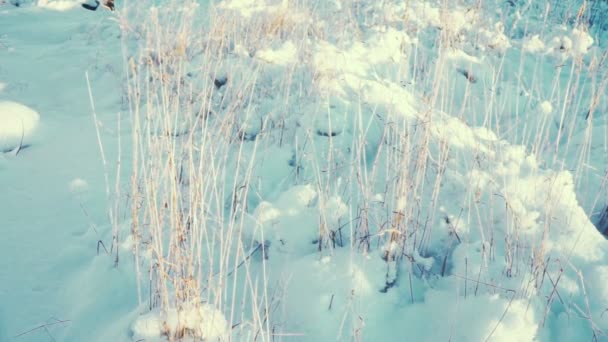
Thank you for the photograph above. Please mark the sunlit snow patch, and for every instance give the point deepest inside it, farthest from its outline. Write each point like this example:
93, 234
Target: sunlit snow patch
17, 125
283, 55
292, 219
546, 107
204, 322
61, 5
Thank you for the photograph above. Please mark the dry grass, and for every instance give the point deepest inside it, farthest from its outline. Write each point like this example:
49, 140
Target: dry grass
184, 213
192, 181
192, 163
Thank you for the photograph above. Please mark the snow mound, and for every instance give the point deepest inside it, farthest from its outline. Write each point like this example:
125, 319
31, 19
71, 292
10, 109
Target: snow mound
61, 5
17, 125
476, 318
204, 322
55, 5
285, 220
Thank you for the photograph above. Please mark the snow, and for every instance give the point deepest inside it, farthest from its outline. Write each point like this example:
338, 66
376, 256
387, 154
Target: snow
205, 322
363, 170
18, 124
78, 185
582, 41
60, 5
546, 107
290, 221
473, 319
285, 54
533, 44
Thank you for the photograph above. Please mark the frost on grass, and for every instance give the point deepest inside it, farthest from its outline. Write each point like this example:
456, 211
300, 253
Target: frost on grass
204, 322
17, 125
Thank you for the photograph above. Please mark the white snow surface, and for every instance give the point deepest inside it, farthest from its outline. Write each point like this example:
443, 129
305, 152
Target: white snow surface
502, 246
18, 124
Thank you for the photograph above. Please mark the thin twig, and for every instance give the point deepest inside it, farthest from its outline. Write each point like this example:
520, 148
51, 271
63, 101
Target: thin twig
43, 326
501, 318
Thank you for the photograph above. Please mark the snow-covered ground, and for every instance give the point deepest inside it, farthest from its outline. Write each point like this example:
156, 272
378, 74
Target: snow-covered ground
303, 170
53, 191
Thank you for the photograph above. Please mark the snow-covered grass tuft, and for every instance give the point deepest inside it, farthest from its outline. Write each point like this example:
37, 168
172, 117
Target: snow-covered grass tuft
195, 139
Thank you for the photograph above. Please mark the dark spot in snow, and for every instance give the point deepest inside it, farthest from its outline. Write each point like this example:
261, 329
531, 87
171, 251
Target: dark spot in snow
109, 4
587, 114
247, 136
602, 222
293, 162
15, 149
327, 134
388, 285
220, 81
469, 75
91, 7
